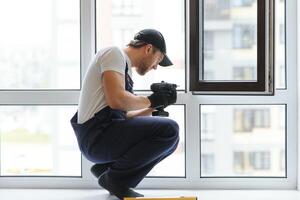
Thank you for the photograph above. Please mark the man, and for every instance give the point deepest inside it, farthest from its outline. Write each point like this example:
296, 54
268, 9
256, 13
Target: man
113, 126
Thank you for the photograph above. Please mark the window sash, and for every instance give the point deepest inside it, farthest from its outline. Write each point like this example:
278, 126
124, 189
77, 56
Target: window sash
197, 82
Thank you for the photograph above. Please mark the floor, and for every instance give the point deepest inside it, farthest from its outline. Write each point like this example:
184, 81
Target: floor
63, 194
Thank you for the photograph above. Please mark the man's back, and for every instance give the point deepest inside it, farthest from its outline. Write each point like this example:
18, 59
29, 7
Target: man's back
92, 97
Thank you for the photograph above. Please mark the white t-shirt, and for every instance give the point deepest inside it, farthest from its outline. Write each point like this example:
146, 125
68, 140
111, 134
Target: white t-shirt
92, 97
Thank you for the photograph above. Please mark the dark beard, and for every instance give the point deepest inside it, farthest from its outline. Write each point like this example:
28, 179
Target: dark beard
143, 70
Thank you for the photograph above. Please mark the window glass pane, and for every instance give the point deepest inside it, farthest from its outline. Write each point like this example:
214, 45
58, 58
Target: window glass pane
40, 44
174, 165
38, 141
280, 68
119, 20
230, 40
248, 141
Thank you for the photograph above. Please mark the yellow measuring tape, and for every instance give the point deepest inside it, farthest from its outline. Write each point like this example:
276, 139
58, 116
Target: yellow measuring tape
161, 198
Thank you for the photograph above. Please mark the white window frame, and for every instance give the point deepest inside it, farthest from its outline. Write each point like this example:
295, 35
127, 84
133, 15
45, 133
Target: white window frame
192, 102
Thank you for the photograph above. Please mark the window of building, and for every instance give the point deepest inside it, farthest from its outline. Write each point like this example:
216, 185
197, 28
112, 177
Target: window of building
260, 160
244, 36
252, 162
245, 120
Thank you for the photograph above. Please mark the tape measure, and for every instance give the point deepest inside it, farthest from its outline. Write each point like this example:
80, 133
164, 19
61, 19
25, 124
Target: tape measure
161, 198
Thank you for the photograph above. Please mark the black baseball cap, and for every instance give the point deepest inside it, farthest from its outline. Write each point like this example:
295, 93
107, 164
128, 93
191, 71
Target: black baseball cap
154, 37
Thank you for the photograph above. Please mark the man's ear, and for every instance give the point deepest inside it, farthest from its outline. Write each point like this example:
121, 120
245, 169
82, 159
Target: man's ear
148, 48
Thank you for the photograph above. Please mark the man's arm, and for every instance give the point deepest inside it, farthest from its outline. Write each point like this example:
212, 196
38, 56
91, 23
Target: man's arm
141, 112
117, 97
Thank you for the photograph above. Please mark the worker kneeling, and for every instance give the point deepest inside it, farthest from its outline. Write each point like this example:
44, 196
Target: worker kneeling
113, 126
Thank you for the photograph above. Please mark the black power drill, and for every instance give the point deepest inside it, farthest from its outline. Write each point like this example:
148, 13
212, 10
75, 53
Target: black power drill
162, 87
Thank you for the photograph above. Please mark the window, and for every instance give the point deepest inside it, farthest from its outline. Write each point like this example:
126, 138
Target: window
241, 38
40, 65
38, 141
113, 30
247, 141
39, 47
242, 139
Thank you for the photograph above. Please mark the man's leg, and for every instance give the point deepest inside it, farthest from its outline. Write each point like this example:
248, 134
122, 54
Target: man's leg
135, 146
98, 169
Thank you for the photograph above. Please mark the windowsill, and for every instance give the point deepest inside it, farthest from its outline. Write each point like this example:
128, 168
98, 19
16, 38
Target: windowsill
87, 194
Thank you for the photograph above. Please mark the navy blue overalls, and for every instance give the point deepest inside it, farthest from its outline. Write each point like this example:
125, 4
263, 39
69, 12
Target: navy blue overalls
132, 146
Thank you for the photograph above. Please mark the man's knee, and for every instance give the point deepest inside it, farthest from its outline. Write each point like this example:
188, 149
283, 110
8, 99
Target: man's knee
171, 129
174, 127
172, 132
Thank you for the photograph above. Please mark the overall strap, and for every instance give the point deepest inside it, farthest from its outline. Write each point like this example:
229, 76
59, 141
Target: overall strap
128, 81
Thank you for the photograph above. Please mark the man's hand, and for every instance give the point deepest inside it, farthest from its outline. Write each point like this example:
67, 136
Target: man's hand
163, 99
164, 94
173, 96
158, 100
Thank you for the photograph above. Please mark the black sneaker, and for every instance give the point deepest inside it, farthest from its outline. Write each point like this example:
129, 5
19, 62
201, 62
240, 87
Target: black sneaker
115, 189
98, 169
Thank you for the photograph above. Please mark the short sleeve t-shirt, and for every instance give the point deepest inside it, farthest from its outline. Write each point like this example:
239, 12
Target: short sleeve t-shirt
92, 98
